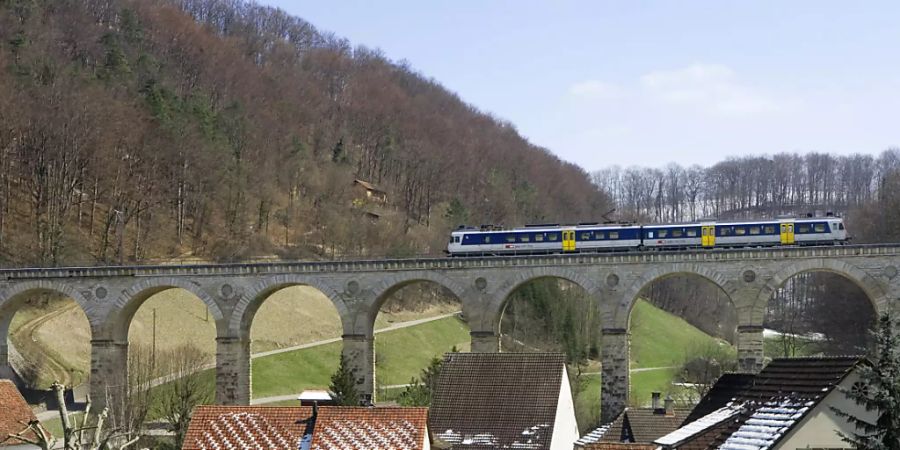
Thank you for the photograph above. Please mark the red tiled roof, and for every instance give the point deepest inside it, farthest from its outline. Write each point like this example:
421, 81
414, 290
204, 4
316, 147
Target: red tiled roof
383, 428
246, 427
14, 412
283, 428
497, 400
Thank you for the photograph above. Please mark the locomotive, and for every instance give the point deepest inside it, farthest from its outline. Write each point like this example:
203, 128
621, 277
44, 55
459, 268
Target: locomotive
596, 237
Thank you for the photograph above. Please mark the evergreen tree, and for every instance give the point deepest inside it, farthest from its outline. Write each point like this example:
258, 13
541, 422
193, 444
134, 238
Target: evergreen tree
420, 390
878, 391
343, 386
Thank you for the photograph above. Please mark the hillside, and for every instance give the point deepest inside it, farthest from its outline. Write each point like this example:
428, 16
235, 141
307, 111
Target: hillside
134, 130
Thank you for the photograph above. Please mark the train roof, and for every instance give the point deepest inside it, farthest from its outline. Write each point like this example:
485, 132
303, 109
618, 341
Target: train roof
597, 225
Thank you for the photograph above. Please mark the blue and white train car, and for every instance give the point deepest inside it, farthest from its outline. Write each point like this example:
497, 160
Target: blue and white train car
598, 238
544, 239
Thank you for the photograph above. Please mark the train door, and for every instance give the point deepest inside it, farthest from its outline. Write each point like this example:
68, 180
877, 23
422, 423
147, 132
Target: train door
787, 233
568, 240
708, 235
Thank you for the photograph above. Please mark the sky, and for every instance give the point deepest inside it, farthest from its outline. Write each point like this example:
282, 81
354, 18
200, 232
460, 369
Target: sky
647, 83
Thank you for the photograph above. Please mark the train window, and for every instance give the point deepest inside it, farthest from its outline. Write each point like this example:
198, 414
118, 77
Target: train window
663, 234
553, 236
599, 235
676, 233
539, 238
524, 238
649, 235
724, 231
613, 234
754, 230
510, 238
840, 226
740, 231
585, 236
769, 229
487, 239
691, 232
456, 239
820, 228
803, 229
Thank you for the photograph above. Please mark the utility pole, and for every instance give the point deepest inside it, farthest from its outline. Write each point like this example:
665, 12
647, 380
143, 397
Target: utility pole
153, 348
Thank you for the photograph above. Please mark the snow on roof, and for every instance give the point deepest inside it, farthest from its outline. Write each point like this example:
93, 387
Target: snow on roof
698, 426
594, 435
768, 422
314, 394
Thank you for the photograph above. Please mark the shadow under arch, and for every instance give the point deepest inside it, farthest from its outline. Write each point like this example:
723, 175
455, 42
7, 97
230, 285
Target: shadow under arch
621, 317
387, 288
875, 291
502, 297
127, 305
245, 311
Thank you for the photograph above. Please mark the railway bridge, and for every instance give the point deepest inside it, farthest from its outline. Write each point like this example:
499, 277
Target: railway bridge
110, 296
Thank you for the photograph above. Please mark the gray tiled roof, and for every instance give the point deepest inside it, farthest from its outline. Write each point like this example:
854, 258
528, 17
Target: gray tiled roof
497, 400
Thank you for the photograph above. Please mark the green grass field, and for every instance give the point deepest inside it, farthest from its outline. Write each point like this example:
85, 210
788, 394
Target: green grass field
658, 340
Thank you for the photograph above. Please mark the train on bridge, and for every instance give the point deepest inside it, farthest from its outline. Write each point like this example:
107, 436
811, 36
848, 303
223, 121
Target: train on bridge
596, 237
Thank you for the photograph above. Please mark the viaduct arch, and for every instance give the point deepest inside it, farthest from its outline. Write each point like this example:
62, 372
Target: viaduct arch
233, 292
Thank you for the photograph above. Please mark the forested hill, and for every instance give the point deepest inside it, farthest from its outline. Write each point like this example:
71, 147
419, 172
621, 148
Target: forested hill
135, 130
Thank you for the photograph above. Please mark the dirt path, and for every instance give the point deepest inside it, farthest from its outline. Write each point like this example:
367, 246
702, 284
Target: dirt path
26, 335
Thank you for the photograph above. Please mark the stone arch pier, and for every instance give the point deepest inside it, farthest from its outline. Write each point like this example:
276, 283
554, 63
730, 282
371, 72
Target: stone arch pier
233, 293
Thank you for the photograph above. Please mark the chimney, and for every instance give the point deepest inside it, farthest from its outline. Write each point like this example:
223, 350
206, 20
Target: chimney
670, 405
655, 404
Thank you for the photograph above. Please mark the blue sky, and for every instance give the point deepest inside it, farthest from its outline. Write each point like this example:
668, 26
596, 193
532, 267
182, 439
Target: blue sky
652, 82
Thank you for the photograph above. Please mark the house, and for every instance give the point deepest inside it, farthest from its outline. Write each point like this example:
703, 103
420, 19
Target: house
15, 415
307, 428
368, 191
503, 400
788, 405
638, 425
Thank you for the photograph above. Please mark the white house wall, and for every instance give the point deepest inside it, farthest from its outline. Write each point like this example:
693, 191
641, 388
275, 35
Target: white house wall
819, 428
565, 427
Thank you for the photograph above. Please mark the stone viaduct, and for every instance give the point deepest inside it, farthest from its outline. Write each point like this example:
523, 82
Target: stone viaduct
110, 296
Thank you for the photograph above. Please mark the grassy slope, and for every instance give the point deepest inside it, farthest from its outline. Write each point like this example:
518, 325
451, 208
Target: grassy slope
658, 339
282, 321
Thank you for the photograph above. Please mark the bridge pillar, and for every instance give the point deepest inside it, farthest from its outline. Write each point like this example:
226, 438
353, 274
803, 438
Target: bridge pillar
485, 342
6, 370
109, 373
233, 379
750, 348
359, 353
615, 376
